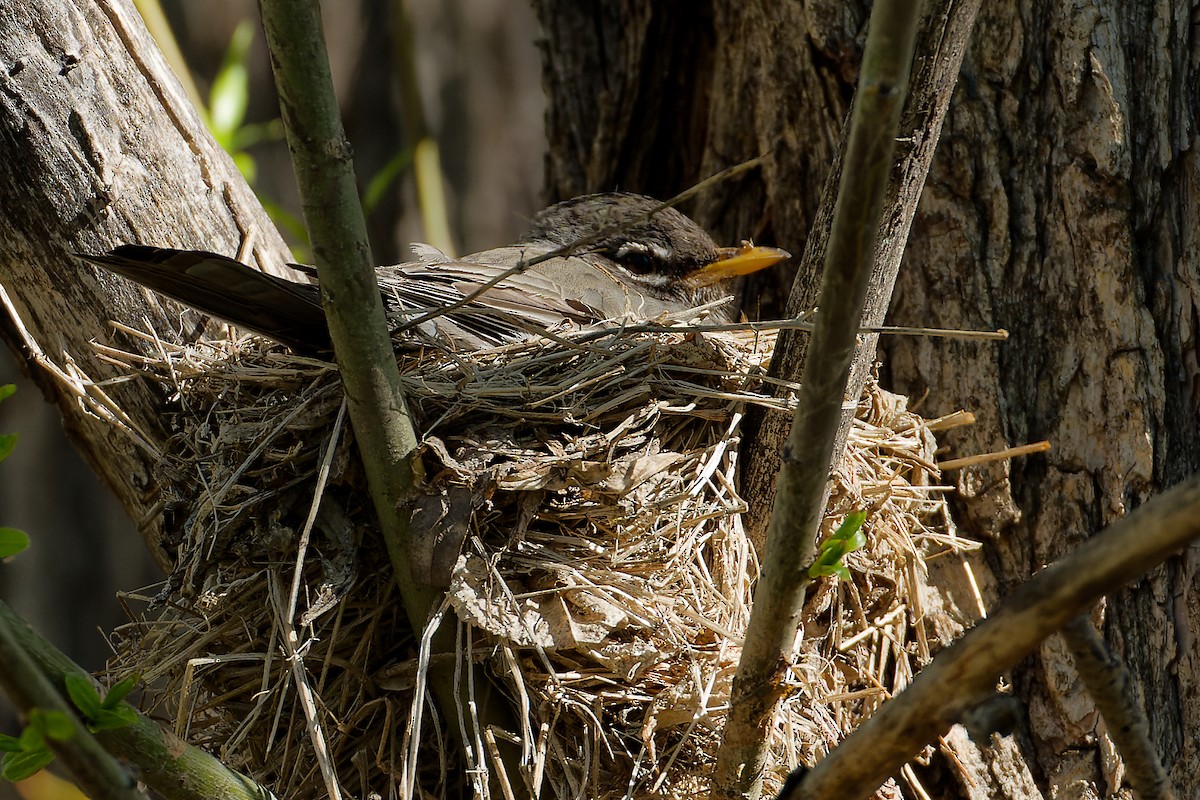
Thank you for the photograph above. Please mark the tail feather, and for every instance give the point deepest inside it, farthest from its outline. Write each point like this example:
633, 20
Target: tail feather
283, 310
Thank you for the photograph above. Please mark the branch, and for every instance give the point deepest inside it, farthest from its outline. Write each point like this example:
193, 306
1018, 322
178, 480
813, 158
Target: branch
801, 492
943, 39
96, 772
379, 413
966, 672
165, 763
1107, 682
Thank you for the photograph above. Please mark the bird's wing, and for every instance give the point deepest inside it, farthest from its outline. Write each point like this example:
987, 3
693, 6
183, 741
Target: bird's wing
562, 293
215, 284
502, 313
583, 288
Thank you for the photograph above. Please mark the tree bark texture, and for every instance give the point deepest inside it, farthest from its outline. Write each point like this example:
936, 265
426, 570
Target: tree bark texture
478, 73
1062, 206
101, 147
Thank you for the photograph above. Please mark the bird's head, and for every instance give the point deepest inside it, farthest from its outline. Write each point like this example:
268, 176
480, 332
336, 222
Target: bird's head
658, 248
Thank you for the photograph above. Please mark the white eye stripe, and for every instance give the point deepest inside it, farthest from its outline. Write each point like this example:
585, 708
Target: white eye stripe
652, 279
654, 250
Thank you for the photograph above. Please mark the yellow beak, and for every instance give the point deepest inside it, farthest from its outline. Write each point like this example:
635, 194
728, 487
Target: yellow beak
736, 261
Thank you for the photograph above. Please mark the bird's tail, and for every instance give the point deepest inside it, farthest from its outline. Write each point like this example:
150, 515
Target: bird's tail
283, 310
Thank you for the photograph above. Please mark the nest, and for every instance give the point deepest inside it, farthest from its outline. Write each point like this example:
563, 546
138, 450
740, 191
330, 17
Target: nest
604, 580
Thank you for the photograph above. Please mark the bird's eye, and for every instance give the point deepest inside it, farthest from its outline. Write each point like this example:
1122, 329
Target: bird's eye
639, 258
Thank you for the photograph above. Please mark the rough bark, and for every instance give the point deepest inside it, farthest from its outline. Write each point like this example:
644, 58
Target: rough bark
1062, 208
101, 147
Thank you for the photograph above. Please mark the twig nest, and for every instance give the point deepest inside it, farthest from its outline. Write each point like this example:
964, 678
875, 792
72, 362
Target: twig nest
604, 576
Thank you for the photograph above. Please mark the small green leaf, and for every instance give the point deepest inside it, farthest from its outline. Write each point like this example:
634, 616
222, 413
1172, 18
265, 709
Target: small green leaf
84, 695
122, 716
107, 714
7, 442
32, 738
119, 692
12, 541
230, 94
853, 521
846, 539
55, 724
19, 766
7, 390
29, 752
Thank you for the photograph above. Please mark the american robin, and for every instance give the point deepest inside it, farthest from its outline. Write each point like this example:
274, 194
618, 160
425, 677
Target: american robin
627, 262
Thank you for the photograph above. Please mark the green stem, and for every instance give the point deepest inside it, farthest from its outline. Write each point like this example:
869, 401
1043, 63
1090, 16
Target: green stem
383, 427
801, 490
165, 763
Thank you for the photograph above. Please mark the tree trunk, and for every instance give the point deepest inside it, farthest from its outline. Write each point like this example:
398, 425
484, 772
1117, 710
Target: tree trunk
100, 146
1061, 208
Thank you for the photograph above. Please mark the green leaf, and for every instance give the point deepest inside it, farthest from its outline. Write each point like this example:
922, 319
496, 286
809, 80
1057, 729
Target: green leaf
123, 716
850, 525
28, 753
55, 724
107, 714
230, 94
385, 178
7, 390
33, 737
7, 442
119, 692
84, 695
12, 541
19, 766
846, 539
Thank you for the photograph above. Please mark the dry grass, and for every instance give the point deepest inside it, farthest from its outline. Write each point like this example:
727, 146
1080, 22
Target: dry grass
605, 577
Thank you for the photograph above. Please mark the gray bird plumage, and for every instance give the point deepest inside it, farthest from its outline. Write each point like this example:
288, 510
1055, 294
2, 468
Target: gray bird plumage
632, 265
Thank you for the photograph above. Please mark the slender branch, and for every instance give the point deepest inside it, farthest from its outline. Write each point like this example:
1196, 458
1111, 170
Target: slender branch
324, 173
800, 495
944, 35
165, 763
967, 671
97, 773
1107, 682
382, 423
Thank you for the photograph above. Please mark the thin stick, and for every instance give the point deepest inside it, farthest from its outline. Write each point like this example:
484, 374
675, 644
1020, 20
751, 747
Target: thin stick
803, 324
999, 455
758, 687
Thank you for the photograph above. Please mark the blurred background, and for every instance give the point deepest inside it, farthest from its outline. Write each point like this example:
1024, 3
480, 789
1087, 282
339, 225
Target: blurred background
473, 93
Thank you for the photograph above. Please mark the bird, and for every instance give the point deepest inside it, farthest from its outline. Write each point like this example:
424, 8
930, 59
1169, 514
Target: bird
608, 258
